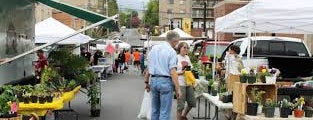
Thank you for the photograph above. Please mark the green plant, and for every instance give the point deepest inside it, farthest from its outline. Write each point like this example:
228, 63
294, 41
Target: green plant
285, 104
93, 95
256, 95
71, 84
270, 103
211, 82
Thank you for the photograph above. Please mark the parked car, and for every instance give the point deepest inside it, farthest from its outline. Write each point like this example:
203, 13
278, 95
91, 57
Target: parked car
205, 50
290, 55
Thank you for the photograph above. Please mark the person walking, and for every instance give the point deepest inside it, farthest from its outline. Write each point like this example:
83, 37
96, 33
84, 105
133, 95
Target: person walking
187, 91
142, 61
162, 62
136, 56
84, 53
127, 57
121, 61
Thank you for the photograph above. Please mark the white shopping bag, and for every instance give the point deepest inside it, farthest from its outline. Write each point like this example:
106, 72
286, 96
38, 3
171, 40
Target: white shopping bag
145, 110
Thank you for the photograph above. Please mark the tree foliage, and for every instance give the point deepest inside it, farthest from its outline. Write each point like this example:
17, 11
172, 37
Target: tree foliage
151, 16
129, 19
113, 8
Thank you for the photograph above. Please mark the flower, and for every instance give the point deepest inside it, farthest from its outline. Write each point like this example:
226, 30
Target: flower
299, 103
244, 72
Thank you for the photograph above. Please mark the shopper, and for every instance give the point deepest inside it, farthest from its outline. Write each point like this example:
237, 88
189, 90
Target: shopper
98, 54
127, 57
85, 54
142, 61
187, 91
162, 61
136, 56
121, 61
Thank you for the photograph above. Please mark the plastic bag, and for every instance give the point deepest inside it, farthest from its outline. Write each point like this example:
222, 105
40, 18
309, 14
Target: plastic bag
145, 110
190, 79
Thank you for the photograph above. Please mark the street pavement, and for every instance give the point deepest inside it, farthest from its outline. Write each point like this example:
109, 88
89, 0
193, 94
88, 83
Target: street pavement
121, 99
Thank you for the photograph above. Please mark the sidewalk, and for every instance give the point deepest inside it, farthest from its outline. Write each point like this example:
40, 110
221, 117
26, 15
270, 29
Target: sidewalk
121, 99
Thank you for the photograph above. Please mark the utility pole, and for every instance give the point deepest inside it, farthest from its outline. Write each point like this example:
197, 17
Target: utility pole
204, 18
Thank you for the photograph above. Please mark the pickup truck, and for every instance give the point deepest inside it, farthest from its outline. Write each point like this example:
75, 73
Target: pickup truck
290, 55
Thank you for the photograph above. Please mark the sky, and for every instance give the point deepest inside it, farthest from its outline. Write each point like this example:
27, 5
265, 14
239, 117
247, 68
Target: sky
131, 4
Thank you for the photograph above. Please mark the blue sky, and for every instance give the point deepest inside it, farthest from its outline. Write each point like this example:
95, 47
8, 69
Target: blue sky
131, 4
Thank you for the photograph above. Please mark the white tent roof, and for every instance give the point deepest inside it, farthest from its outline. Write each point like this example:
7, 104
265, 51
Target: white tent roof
51, 30
181, 33
272, 16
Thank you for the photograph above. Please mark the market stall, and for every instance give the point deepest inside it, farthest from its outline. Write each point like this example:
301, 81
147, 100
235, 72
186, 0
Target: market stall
255, 89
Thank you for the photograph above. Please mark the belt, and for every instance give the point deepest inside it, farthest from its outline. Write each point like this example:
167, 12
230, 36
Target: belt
160, 76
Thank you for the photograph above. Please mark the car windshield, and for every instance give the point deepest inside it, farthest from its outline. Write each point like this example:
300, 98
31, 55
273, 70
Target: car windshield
209, 51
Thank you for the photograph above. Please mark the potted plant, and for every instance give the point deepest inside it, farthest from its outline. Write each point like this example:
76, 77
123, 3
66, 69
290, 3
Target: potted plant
298, 111
255, 99
269, 108
211, 82
18, 91
213, 90
308, 111
26, 97
243, 76
251, 77
7, 96
201, 74
285, 108
94, 100
42, 91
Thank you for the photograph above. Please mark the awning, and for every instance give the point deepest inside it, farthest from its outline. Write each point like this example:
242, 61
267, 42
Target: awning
80, 13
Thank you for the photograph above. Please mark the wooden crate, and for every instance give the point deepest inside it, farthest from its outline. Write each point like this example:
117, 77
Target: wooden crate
19, 117
241, 90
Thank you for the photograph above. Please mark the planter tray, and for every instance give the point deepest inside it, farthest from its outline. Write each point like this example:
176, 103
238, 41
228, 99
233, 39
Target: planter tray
262, 117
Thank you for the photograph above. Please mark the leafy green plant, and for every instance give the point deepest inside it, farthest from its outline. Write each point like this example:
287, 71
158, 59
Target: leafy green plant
71, 84
270, 103
93, 95
256, 95
285, 104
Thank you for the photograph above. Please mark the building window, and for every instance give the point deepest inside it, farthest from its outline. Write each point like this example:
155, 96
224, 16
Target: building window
171, 1
169, 11
181, 2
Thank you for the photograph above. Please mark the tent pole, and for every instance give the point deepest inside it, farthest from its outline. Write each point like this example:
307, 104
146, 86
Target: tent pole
214, 57
249, 45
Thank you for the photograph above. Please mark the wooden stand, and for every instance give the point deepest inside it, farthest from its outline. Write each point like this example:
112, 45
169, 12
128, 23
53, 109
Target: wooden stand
241, 90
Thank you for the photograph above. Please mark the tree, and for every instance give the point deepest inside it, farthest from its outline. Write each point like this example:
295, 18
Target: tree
151, 16
113, 8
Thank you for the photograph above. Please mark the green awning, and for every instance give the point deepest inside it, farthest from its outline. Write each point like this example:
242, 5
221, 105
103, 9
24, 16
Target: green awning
80, 13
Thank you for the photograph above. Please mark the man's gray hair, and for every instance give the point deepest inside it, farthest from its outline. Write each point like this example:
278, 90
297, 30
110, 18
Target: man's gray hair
171, 35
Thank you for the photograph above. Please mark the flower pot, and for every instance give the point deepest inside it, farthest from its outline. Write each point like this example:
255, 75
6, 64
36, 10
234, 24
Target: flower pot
42, 100
270, 79
26, 100
209, 89
49, 99
214, 92
251, 79
230, 98
252, 108
195, 74
284, 112
243, 79
298, 113
95, 112
308, 113
33, 99
269, 111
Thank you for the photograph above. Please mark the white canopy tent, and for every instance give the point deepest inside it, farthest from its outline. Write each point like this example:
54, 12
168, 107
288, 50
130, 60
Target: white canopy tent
181, 33
51, 30
268, 16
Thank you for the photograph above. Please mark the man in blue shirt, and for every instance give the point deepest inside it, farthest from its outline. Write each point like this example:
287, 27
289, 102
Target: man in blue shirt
162, 61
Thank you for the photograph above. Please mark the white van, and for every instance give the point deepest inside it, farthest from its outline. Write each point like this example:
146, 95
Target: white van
290, 55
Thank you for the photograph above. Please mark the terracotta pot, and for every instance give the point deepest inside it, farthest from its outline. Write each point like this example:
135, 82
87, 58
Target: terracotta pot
298, 113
